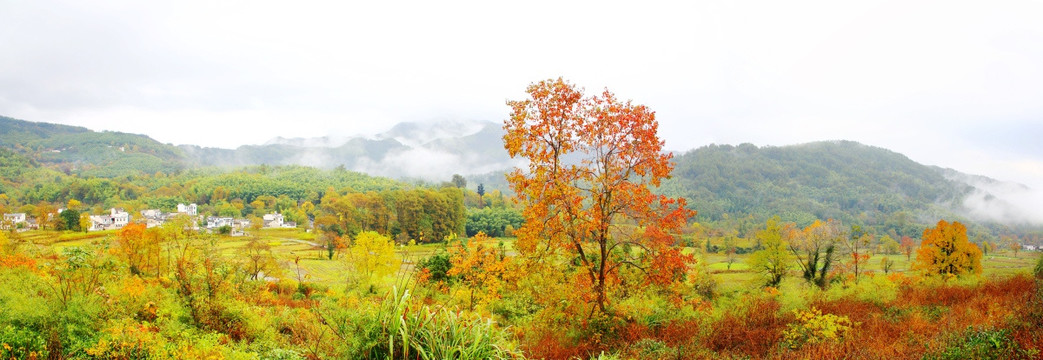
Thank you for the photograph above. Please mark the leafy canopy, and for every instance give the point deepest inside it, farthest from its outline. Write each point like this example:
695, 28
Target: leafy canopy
591, 161
945, 250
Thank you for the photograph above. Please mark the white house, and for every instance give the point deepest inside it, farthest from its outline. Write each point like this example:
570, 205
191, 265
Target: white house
237, 226
116, 219
215, 222
13, 220
153, 217
190, 209
273, 220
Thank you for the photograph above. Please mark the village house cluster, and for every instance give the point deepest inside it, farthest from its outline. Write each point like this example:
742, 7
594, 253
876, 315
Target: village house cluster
118, 218
18, 221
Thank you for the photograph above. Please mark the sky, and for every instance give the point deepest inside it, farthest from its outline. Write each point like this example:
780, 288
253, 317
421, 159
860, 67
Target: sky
957, 84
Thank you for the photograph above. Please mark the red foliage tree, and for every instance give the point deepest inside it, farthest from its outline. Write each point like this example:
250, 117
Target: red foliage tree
907, 247
591, 161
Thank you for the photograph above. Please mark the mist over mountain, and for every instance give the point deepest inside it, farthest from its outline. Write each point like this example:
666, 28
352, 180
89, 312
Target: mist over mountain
835, 179
430, 150
846, 180
987, 199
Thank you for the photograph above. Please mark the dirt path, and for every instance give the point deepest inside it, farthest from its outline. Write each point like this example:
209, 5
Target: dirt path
309, 243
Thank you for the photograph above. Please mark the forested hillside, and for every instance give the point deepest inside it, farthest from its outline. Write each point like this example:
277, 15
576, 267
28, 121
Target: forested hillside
82, 151
844, 180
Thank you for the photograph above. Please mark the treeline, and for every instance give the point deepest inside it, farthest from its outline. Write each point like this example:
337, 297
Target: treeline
495, 222
423, 215
339, 202
213, 187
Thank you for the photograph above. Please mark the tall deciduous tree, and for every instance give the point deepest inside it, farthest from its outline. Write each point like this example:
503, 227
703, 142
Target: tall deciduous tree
591, 162
138, 247
857, 243
907, 247
1012, 243
815, 249
373, 256
946, 250
69, 220
459, 181
889, 245
482, 268
773, 259
258, 258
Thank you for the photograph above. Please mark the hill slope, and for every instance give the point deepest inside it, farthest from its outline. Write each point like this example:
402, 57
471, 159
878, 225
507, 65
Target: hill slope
845, 180
86, 152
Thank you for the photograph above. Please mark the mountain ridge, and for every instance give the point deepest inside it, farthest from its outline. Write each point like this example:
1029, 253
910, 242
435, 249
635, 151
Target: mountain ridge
839, 179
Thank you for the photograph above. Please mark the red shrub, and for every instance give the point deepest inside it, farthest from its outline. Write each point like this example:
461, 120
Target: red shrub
753, 332
678, 333
546, 345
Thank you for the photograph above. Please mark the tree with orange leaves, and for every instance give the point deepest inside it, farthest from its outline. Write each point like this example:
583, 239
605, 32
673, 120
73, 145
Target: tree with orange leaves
138, 247
946, 250
1012, 243
586, 191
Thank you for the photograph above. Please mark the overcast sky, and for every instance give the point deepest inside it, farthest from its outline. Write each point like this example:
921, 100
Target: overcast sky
948, 83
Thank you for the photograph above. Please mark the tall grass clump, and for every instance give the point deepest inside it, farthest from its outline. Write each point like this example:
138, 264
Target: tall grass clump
399, 329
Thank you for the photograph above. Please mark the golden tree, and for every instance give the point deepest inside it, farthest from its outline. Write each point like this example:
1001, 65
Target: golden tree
586, 191
946, 250
373, 255
139, 247
480, 267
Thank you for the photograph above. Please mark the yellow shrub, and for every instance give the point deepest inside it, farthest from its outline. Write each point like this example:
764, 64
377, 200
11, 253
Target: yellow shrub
812, 327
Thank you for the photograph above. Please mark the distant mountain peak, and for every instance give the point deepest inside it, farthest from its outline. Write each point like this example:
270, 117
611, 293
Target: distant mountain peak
421, 133
314, 142
411, 134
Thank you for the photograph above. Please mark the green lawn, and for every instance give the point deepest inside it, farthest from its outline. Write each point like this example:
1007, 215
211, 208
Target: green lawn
742, 279
290, 244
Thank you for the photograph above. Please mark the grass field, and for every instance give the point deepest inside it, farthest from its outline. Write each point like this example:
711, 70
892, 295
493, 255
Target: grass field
289, 245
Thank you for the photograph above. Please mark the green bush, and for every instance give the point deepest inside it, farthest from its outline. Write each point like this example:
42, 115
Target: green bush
21, 343
983, 344
438, 266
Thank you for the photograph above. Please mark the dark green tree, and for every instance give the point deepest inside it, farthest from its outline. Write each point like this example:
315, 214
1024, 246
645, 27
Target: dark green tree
70, 220
459, 181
